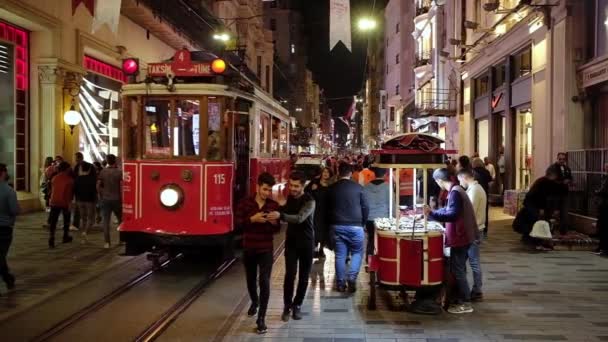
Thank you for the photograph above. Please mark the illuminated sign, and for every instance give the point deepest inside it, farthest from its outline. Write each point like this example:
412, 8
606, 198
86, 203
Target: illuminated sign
182, 65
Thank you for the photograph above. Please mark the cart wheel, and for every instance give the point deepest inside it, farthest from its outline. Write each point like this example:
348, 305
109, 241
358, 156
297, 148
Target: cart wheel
371, 301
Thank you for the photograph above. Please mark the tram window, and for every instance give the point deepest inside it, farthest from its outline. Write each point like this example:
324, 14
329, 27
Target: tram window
131, 123
214, 124
283, 139
186, 141
158, 127
276, 132
264, 120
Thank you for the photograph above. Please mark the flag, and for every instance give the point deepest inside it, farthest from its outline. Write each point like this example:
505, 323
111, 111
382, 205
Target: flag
107, 12
89, 4
339, 23
351, 111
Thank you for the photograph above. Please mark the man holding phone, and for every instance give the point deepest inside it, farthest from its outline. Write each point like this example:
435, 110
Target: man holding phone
259, 226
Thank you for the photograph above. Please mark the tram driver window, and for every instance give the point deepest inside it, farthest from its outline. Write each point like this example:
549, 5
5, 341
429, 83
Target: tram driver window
158, 128
214, 124
186, 128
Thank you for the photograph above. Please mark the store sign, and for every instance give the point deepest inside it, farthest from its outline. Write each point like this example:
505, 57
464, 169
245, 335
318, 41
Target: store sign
595, 74
181, 65
496, 100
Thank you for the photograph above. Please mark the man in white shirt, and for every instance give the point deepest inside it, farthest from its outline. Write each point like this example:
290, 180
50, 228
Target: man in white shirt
478, 198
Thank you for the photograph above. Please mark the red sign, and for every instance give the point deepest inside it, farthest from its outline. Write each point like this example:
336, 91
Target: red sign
218, 194
180, 66
496, 100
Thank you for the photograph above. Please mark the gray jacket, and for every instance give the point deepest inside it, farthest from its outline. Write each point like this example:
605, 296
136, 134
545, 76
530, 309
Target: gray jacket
9, 207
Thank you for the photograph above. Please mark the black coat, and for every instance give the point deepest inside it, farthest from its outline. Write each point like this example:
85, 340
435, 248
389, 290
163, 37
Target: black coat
483, 176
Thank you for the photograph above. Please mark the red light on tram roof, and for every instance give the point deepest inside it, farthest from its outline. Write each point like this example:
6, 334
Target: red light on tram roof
218, 66
130, 66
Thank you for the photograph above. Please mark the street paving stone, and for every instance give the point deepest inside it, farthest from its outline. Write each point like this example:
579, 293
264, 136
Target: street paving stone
528, 296
42, 272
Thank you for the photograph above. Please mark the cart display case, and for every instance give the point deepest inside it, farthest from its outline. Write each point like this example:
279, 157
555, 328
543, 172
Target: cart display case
408, 255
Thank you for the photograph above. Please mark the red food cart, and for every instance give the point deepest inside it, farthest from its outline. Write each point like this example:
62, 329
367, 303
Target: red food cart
409, 253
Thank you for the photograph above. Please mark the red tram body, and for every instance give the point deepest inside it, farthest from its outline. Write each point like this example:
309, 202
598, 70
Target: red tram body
191, 150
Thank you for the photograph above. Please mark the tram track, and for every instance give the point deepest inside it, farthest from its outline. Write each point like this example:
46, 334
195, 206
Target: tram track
73, 319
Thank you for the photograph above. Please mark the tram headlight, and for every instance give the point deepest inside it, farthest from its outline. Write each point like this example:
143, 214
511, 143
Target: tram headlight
171, 196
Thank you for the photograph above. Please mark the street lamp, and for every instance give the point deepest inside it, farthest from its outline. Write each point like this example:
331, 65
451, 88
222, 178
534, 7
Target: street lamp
222, 37
367, 24
71, 118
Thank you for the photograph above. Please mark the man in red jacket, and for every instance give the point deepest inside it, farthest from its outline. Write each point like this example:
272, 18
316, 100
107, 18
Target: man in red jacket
62, 193
258, 218
460, 230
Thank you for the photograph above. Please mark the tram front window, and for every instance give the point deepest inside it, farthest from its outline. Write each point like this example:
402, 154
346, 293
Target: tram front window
186, 141
214, 124
158, 128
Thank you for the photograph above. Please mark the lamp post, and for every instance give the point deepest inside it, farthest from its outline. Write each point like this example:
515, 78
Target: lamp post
367, 24
71, 118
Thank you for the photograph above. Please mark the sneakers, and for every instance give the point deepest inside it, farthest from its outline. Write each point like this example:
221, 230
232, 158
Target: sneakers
73, 228
352, 286
261, 326
285, 315
296, 313
106, 245
476, 296
253, 309
460, 308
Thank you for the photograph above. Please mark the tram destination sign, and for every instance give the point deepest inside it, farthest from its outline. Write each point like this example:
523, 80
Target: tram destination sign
180, 66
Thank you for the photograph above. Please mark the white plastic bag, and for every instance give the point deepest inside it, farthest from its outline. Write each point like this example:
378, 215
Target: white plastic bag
541, 230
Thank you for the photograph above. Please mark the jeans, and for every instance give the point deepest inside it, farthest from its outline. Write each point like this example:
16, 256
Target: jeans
349, 240
87, 215
298, 259
6, 238
458, 266
263, 261
107, 208
54, 217
475, 263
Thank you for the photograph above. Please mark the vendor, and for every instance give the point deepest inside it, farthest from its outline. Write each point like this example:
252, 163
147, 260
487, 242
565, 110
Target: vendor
377, 193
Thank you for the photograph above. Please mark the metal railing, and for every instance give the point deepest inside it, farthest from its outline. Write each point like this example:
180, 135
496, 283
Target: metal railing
436, 102
587, 172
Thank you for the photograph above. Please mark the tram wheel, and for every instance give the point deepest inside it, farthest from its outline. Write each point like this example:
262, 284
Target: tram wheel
371, 301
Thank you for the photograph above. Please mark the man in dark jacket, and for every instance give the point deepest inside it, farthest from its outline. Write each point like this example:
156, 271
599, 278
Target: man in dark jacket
9, 208
347, 215
461, 230
298, 212
85, 193
564, 178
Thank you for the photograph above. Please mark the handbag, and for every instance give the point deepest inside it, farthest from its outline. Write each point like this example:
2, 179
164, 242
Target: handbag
541, 230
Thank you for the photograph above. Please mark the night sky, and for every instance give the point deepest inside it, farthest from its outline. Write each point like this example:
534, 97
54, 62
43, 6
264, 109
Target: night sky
339, 72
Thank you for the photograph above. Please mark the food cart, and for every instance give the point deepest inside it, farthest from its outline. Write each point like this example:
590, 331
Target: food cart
409, 250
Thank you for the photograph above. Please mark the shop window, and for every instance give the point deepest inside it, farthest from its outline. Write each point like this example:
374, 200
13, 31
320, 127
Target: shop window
214, 133
522, 64
157, 128
14, 103
482, 134
524, 149
499, 75
481, 85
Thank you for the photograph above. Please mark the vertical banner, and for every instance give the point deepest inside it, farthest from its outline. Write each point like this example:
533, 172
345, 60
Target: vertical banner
107, 12
89, 4
339, 23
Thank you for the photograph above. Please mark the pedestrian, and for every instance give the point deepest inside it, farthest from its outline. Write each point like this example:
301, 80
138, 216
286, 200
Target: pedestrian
602, 219
258, 228
319, 193
406, 187
9, 208
564, 178
98, 169
502, 168
477, 196
298, 212
490, 167
85, 193
540, 203
461, 231
377, 193
366, 175
109, 188
484, 178
44, 182
347, 214
62, 195
464, 162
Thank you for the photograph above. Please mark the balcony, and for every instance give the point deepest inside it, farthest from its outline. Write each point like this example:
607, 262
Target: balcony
435, 102
423, 7
423, 58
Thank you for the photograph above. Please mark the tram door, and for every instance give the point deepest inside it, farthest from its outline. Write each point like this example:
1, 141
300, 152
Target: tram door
241, 150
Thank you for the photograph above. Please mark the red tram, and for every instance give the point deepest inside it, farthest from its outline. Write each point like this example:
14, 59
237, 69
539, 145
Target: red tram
195, 138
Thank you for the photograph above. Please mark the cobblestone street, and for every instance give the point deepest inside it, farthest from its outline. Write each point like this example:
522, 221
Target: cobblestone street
529, 296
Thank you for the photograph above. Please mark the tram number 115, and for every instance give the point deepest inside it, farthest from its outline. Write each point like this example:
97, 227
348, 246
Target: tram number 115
219, 178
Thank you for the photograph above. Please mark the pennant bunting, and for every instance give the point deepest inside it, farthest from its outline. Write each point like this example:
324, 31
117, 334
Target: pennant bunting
339, 23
